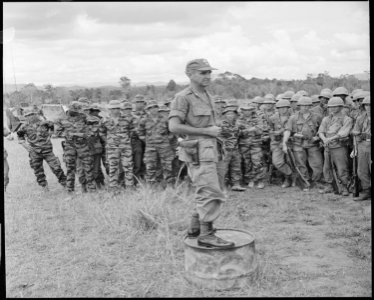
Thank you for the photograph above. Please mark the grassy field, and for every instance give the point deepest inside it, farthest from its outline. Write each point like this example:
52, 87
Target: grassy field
100, 246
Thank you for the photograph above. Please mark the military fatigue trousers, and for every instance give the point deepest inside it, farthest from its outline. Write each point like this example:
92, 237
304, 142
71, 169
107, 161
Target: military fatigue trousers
340, 159
314, 158
165, 154
208, 195
231, 166
115, 156
364, 164
253, 160
278, 159
138, 148
97, 172
73, 152
36, 163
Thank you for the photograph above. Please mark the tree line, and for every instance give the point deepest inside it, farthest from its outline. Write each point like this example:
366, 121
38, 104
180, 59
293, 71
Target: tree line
228, 85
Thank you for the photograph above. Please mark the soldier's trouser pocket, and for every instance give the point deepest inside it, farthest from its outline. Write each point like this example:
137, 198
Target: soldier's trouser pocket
208, 150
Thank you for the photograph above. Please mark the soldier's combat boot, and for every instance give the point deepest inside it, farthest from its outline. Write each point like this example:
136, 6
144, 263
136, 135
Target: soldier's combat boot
365, 195
260, 184
287, 181
328, 189
238, 188
294, 177
194, 229
84, 188
207, 237
251, 184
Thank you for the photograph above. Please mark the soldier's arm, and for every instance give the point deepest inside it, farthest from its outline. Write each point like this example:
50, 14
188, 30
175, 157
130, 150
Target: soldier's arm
102, 131
59, 128
141, 129
345, 129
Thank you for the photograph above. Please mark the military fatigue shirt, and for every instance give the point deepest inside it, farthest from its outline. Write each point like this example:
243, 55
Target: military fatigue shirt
154, 130
244, 123
307, 127
117, 134
363, 125
73, 129
278, 125
339, 124
229, 134
37, 135
94, 124
319, 110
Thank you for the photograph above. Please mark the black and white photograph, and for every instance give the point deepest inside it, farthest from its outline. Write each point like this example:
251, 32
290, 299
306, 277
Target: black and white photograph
186, 149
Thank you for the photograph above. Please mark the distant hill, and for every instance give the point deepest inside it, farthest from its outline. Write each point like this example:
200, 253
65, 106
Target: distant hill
362, 76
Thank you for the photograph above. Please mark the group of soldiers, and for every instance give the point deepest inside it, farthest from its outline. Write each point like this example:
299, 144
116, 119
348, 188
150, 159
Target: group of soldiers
300, 136
313, 138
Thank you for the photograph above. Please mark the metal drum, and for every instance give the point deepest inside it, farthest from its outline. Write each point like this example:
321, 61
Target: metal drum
222, 269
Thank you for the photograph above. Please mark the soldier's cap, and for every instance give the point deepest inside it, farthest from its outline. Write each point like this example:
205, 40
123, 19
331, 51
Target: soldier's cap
227, 109
139, 98
200, 64
295, 98
114, 104
126, 105
85, 106
163, 108
151, 103
360, 95
95, 106
232, 103
75, 106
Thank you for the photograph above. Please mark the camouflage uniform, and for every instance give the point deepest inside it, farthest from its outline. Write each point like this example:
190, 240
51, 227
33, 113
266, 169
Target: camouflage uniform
250, 147
38, 138
155, 132
277, 126
77, 133
138, 147
319, 110
117, 138
232, 159
339, 124
306, 150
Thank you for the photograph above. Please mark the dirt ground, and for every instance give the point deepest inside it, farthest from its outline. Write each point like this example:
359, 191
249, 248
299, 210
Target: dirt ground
98, 246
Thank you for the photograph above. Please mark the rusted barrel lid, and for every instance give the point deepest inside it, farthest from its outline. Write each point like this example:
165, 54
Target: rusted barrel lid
239, 237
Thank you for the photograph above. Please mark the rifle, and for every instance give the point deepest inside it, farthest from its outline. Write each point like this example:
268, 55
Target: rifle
337, 183
294, 167
356, 191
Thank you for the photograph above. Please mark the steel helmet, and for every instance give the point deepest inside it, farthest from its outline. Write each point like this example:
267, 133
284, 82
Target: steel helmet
303, 93
295, 98
304, 101
95, 106
315, 99
218, 99
30, 113
335, 101
257, 100
356, 90
84, 100
279, 97
326, 90
340, 91
366, 100
360, 95
249, 106
232, 103
283, 103
269, 101
269, 96
325, 94
164, 108
230, 108
151, 103
288, 95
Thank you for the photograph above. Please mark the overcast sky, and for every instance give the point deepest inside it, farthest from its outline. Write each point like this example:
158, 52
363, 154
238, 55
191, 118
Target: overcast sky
77, 43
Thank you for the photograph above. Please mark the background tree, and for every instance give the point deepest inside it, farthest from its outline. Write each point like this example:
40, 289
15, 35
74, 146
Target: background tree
125, 83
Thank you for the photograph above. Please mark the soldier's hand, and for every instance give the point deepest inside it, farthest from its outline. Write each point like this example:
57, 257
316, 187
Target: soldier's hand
355, 132
213, 131
284, 148
26, 146
353, 153
298, 135
315, 139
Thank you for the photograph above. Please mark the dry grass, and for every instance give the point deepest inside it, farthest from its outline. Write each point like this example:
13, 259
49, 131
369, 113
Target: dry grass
131, 245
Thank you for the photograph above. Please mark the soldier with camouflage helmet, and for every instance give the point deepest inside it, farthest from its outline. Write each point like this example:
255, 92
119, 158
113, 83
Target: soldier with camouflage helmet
231, 163
154, 130
251, 128
303, 126
277, 126
334, 133
321, 108
362, 134
293, 102
75, 130
116, 130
